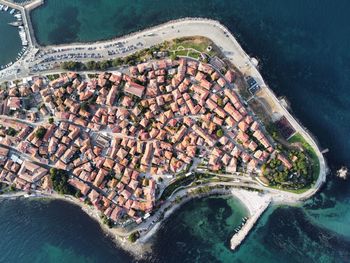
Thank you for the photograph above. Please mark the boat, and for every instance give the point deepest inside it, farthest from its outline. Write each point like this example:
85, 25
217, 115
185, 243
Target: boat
6, 8
12, 11
1, 7
23, 36
16, 23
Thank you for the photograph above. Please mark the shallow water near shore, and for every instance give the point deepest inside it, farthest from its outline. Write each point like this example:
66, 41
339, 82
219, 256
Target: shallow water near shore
36, 230
303, 47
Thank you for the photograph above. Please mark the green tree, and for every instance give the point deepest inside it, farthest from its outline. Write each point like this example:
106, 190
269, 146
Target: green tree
105, 64
219, 133
90, 65
134, 236
117, 62
85, 106
60, 183
220, 102
11, 131
40, 133
72, 65
78, 194
51, 120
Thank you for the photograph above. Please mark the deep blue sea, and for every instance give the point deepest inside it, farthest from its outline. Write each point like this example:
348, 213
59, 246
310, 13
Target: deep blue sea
303, 47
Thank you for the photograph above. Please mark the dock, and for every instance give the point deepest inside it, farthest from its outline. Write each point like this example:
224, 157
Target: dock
28, 31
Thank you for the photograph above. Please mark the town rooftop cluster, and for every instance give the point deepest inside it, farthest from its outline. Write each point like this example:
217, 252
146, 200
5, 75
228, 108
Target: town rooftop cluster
124, 137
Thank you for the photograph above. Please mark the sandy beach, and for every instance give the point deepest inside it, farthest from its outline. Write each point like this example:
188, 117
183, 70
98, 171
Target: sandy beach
251, 199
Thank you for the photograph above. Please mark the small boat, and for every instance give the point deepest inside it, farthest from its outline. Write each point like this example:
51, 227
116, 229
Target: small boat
1, 7
16, 23
12, 11
6, 8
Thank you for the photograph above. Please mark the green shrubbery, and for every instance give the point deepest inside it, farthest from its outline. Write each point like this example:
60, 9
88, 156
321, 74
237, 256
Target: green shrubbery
134, 236
40, 133
60, 183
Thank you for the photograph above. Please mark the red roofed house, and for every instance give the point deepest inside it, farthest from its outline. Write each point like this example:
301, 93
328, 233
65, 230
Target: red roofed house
134, 89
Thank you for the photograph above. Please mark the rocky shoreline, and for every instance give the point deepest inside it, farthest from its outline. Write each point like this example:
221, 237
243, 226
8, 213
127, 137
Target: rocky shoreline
142, 246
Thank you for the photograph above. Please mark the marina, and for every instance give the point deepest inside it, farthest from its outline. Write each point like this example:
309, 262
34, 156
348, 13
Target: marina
17, 15
12, 47
18, 23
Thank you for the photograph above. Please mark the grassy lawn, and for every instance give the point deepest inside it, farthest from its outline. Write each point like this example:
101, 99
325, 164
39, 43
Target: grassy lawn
198, 43
297, 138
194, 55
181, 53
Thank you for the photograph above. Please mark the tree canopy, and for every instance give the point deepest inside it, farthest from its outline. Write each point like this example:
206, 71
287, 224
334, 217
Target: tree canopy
60, 183
40, 133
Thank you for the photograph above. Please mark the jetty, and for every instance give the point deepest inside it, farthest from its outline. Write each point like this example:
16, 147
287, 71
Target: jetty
256, 204
25, 10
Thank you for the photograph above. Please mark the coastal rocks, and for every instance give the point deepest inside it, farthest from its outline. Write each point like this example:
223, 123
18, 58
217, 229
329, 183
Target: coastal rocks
342, 172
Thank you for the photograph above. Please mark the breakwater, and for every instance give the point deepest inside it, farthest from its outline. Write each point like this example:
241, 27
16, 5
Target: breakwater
257, 205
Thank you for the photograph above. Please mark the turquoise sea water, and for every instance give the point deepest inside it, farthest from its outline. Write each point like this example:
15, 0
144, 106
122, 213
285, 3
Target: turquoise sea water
303, 47
54, 231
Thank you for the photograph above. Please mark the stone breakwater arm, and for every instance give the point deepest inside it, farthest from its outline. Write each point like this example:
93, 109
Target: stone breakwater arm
239, 237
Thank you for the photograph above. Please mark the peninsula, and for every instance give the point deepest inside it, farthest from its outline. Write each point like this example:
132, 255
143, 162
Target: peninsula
130, 128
